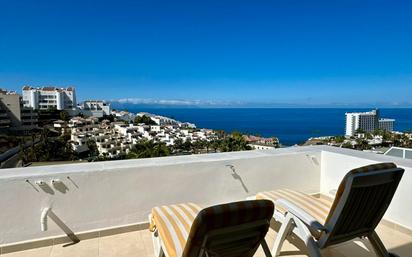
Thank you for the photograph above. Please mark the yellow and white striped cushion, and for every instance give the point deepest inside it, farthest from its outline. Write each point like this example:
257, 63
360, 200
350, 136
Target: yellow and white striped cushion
316, 207
173, 223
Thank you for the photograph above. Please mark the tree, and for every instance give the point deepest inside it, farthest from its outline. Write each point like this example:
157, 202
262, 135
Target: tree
339, 139
148, 149
198, 145
93, 151
49, 148
64, 116
109, 117
144, 119
362, 144
235, 142
178, 145
347, 145
359, 131
187, 145
215, 144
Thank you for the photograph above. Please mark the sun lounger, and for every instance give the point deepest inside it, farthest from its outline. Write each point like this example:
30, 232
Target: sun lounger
360, 203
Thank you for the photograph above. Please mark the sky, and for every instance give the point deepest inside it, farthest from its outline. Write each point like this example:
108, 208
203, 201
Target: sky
212, 53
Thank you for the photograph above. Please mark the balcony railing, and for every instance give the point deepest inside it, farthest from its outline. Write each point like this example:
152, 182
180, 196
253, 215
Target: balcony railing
96, 196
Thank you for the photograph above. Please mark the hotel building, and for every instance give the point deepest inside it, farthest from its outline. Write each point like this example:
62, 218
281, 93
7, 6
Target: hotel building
366, 121
49, 98
386, 124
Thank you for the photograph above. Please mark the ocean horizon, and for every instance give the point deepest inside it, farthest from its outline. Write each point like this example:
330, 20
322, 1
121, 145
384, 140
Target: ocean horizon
291, 125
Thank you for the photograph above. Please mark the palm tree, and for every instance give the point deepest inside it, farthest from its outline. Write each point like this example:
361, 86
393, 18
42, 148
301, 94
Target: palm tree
93, 151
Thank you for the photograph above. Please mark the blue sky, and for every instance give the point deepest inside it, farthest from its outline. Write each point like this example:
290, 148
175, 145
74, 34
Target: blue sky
249, 53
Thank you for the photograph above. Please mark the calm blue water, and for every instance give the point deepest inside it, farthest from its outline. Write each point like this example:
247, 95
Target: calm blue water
290, 125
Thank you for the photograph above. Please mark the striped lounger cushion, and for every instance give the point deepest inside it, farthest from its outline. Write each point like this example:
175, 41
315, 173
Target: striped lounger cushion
182, 227
316, 207
173, 223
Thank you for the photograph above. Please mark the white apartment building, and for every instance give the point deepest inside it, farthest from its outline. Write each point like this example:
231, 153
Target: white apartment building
159, 120
366, 121
124, 115
112, 139
95, 108
49, 98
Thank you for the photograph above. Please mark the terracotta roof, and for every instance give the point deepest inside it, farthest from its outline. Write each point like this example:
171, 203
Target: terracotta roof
49, 89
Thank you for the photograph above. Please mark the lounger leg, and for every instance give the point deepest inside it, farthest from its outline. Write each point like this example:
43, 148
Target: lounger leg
285, 229
157, 246
378, 246
306, 236
266, 248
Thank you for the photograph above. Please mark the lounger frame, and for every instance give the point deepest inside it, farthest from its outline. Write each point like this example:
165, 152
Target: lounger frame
362, 205
226, 239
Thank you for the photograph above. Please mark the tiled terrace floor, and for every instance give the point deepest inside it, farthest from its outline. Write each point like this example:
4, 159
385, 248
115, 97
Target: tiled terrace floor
139, 244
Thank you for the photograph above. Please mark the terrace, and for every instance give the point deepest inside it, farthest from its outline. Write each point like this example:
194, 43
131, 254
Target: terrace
105, 204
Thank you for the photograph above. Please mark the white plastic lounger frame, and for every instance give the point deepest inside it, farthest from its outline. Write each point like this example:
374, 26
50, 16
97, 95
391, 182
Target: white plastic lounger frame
365, 198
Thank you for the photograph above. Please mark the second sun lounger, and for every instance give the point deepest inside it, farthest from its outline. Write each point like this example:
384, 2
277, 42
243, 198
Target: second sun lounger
360, 203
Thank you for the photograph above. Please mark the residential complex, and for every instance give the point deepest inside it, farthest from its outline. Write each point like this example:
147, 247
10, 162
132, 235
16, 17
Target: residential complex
95, 108
261, 143
114, 139
108, 140
366, 121
124, 115
12, 113
45, 98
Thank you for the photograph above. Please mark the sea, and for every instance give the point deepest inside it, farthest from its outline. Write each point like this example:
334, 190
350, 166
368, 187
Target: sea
291, 125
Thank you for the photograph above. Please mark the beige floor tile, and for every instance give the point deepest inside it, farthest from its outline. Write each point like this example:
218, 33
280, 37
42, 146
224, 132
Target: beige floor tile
330, 252
122, 245
395, 241
139, 244
358, 247
36, 252
393, 238
147, 242
85, 248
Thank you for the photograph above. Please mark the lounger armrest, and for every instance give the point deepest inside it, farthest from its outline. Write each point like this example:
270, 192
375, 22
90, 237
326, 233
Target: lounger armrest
300, 214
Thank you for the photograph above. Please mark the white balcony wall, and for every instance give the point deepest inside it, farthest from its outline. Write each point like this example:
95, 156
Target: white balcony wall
336, 162
98, 195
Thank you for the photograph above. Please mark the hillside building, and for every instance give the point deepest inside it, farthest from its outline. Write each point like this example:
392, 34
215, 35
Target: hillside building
49, 98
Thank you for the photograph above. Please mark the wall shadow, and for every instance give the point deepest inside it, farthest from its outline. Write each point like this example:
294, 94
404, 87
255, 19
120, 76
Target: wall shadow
46, 188
236, 176
60, 186
64, 227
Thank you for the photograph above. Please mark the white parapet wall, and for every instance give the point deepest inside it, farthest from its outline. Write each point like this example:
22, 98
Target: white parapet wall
99, 195
336, 162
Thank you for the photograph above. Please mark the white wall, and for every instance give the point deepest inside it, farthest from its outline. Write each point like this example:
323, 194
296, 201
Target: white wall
337, 162
115, 193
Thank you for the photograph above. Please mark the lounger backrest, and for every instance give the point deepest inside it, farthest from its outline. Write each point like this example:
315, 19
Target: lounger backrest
361, 201
234, 229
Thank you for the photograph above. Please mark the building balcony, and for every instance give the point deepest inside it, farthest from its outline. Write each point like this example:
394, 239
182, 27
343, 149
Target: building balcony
5, 121
105, 204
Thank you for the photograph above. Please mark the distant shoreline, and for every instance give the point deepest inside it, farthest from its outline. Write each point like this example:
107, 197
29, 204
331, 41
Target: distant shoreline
291, 125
